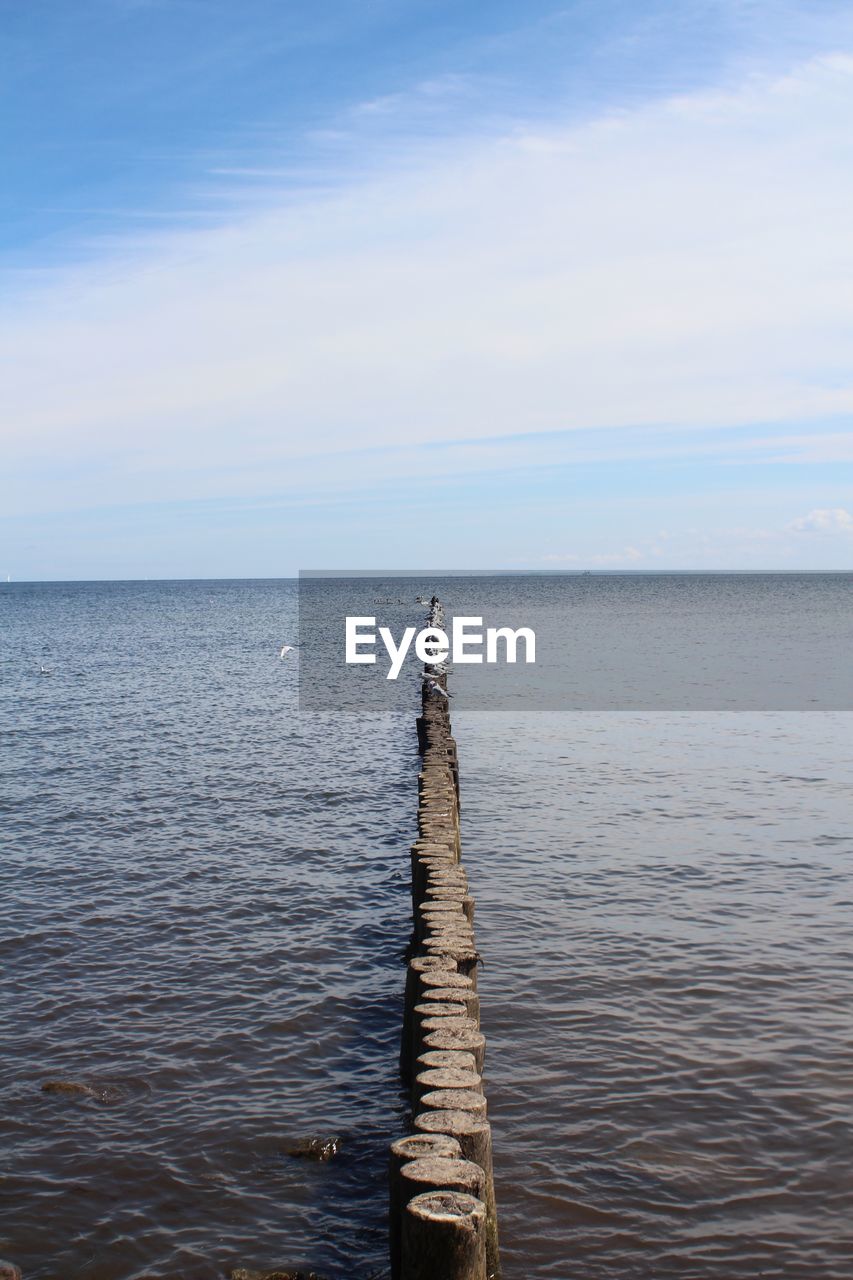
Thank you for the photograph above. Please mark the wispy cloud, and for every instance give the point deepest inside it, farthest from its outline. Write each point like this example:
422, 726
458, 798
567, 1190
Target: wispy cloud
428, 96
687, 263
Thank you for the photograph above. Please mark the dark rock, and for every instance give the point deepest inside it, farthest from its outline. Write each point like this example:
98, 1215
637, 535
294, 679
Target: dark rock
242, 1274
68, 1089
8, 1271
314, 1148
105, 1093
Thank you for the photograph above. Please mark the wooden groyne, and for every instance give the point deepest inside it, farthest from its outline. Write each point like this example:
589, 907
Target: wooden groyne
443, 1222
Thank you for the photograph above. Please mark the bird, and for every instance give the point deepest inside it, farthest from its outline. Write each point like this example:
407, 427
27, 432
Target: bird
44, 671
435, 687
286, 649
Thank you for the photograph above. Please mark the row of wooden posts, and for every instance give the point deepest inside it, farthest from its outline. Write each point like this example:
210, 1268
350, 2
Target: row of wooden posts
443, 1223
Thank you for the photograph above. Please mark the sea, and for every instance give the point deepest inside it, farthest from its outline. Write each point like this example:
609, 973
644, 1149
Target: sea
204, 912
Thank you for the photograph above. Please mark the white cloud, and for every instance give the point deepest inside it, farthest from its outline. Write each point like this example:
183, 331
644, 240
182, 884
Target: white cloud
686, 263
824, 520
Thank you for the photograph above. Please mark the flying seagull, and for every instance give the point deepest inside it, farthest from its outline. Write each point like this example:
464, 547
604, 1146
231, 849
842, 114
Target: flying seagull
286, 649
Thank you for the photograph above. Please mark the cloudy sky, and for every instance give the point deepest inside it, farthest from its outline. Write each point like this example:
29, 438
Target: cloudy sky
417, 283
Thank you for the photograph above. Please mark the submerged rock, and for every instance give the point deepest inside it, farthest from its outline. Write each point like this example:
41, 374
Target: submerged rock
242, 1274
8, 1271
314, 1148
68, 1089
105, 1093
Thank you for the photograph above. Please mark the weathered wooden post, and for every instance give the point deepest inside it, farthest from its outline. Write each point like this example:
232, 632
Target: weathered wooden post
436, 1059
470, 999
444, 1237
430, 1078
415, 1147
468, 1038
474, 1135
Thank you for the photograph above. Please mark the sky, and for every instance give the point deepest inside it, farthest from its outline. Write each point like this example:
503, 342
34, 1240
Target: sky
406, 284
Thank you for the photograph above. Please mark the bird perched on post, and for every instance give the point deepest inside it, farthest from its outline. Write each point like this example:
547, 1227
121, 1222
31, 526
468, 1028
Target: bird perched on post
435, 687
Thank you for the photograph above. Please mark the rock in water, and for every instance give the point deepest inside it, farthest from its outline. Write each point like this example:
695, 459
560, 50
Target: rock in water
314, 1148
105, 1093
8, 1271
68, 1089
242, 1274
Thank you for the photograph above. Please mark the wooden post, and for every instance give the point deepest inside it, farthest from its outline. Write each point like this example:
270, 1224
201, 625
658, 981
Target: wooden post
462, 951
469, 999
433, 1012
436, 1059
454, 1100
419, 965
440, 1173
468, 1039
474, 1135
414, 1147
430, 1078
430, 977
429, 1025
444, 1237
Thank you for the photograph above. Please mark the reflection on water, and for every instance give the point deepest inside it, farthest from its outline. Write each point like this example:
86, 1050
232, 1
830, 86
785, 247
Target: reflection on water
203, 906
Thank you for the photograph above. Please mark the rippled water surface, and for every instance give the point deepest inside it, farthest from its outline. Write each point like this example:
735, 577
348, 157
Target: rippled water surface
665, 907
204, 897
202, 909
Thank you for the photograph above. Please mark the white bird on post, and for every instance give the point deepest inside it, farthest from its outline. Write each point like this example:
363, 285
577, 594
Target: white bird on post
435, 687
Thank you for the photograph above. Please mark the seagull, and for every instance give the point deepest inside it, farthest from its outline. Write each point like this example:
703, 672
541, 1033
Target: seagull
435, 687
286, 649
44, 671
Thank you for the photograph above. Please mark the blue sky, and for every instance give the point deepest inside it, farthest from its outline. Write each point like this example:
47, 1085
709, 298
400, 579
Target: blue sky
358, 285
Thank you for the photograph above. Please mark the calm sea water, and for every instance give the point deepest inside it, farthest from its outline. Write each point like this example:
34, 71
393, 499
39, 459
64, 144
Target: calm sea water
203, 908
